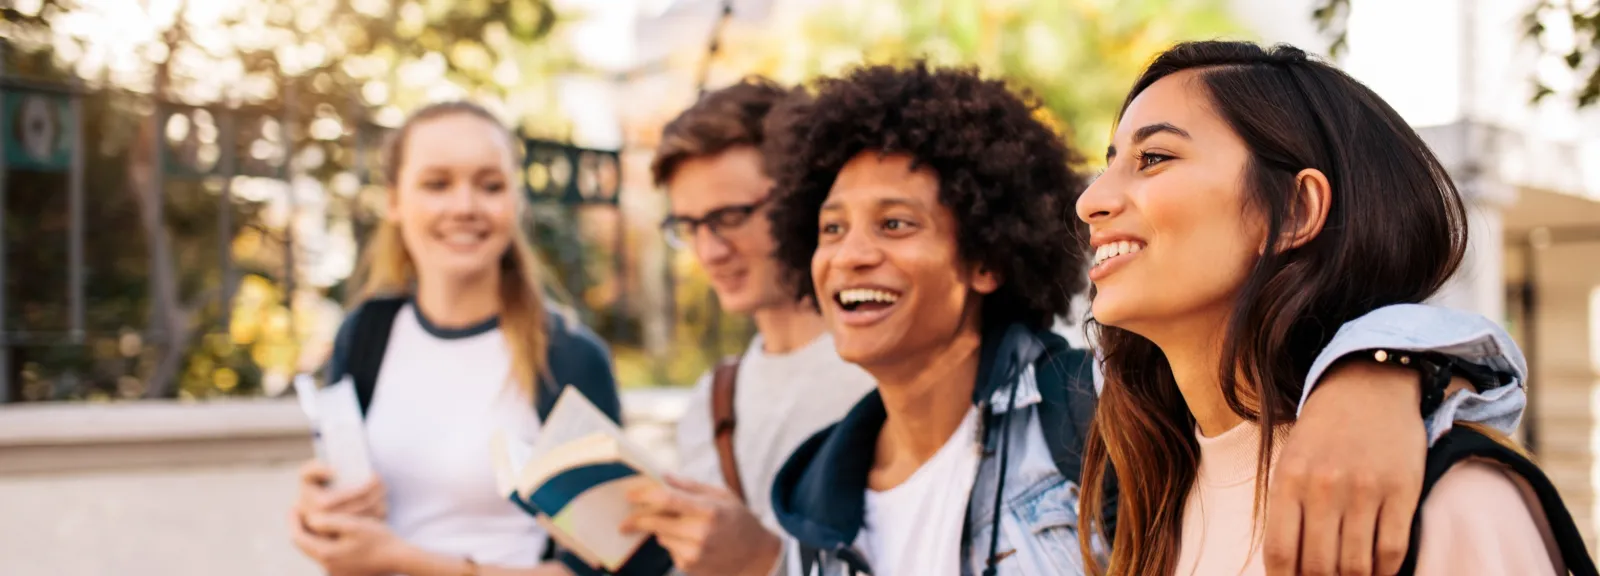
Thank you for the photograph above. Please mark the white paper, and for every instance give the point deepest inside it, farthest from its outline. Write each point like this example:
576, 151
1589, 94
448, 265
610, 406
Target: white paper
338, 430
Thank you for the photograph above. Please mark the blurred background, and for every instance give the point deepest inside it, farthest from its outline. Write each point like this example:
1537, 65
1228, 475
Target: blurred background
184, 185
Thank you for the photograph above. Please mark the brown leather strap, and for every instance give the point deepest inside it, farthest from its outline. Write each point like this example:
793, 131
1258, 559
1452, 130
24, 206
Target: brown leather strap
723, 422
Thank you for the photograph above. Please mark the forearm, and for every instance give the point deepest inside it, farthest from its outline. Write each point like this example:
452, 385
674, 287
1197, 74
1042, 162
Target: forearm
413, 561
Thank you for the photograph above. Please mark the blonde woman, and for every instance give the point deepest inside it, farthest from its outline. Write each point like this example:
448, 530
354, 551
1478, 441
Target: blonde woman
452, 340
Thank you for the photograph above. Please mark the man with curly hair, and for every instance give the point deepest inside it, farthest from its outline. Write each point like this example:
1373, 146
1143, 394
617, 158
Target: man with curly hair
929, 214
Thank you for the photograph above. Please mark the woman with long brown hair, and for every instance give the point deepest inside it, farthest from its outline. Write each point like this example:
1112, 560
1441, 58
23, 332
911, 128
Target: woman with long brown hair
452, 341
1254, 201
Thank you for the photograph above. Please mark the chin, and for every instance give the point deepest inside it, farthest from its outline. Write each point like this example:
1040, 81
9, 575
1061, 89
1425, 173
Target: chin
1108, 311
737, 303
860, 349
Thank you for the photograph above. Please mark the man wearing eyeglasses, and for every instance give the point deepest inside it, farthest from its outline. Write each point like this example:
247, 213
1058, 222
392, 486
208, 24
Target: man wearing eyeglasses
747, 415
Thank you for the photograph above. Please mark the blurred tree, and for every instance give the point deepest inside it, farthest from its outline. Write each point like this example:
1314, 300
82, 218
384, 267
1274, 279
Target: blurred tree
1078, 57
1569, 31
322, 70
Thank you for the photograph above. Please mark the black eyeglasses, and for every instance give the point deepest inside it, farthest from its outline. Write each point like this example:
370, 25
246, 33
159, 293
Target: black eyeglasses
680, 230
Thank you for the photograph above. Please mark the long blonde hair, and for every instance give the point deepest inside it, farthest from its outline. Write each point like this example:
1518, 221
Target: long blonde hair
387, 270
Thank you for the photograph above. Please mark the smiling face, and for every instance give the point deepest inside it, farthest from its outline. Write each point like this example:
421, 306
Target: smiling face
738, 256
889, 276
1173, 235
453, 199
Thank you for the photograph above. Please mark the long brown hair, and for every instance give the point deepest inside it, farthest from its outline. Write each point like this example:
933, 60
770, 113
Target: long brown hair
1395, 231
387, 268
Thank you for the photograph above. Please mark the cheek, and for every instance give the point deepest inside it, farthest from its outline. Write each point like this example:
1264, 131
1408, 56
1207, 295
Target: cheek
942, 286
1202, 244
819, 268
501, 211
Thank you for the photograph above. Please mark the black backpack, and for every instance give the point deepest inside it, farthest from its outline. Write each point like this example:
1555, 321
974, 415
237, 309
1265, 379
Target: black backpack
1461, 443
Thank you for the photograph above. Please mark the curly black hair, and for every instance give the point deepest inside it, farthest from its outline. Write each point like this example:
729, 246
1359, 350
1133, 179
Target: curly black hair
1006, 176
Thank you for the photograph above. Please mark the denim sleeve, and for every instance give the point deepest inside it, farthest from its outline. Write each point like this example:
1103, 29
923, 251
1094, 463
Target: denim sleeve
1467, 336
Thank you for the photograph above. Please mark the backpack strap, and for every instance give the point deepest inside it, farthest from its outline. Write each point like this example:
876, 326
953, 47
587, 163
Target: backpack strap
723, 421
374, 320
1066, 410
1462, 443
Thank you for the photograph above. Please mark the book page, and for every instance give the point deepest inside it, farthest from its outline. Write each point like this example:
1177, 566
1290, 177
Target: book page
509, 455
596, 448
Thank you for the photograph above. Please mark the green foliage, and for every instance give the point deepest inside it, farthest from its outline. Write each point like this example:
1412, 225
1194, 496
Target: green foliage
322, 68
1077, 57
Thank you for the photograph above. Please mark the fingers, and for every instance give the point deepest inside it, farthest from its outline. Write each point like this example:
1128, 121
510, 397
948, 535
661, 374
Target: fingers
369, 500
1394, 529
310, 544
315, 473
330, 524
691, 486
1358, 527
1281, 551
666, 501
1323, 511
665, 527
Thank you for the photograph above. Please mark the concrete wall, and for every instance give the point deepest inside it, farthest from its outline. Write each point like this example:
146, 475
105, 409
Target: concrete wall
171, 489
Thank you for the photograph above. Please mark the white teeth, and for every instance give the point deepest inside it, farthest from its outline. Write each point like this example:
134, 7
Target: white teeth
858, 295
1113, 249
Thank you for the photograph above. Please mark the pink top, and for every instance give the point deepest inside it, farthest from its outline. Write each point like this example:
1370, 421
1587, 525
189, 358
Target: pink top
1478, 519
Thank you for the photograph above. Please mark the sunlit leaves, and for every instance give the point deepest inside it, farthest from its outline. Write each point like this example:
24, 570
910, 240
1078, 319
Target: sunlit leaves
1077, 57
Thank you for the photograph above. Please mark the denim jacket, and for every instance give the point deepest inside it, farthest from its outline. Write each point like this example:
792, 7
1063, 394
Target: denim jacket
819, 493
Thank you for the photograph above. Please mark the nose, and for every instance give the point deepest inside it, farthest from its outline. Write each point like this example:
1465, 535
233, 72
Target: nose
709, 247
857, 250
1102, 200
464, 199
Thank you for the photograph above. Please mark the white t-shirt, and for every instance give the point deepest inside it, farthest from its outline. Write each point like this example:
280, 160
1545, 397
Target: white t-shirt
915, 528
440, 396
780, 401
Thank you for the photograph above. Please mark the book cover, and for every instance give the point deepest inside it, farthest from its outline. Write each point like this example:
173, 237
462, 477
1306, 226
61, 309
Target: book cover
575, 479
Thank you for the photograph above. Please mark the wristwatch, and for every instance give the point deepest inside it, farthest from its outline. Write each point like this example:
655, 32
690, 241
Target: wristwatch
1436, 371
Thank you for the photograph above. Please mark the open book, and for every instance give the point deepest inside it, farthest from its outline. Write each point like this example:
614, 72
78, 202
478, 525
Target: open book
575, 479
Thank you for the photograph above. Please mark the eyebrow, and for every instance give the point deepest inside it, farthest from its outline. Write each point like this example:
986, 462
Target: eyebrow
1146, 132
881, 203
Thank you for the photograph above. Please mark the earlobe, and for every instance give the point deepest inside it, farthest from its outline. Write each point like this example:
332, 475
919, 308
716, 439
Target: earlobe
984, 281
1309, 211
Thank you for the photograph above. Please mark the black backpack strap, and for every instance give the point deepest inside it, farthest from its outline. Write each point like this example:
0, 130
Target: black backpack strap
1066, 409
1462, 443
369, 339
1067, 402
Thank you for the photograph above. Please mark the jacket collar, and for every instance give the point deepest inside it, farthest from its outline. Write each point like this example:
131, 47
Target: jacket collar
819, 495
